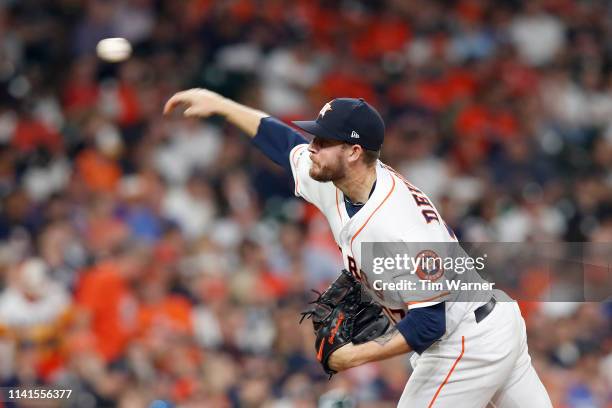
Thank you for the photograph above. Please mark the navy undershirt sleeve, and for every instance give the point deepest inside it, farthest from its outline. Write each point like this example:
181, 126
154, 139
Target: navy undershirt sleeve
423, 326
276, 140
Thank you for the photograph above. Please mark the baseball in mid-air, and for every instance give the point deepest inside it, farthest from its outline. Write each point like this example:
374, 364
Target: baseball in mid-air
114, 49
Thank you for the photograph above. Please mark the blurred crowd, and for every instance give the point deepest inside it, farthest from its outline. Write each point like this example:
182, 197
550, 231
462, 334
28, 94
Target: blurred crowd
147, 258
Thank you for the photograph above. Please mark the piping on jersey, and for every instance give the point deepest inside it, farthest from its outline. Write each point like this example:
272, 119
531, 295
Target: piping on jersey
449, 373
371, 215
338, 207
297, 175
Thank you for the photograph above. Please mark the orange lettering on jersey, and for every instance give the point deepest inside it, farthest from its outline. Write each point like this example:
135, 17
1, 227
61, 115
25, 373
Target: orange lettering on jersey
430, 215
420, 200
352, 265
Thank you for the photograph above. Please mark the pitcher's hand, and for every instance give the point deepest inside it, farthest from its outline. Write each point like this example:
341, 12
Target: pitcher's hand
197, 102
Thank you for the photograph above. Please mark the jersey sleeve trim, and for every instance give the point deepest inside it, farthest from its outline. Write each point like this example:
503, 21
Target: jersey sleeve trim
427, 302
420, 305
422, 327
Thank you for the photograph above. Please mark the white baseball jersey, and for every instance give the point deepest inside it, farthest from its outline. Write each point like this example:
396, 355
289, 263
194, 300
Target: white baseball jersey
397, 211
473, 363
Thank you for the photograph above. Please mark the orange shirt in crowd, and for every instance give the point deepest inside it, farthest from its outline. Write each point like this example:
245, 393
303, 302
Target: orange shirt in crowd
173, 313
382, 36
480, 121
99, 173
348, 85
129, 113
109, 300
322, 22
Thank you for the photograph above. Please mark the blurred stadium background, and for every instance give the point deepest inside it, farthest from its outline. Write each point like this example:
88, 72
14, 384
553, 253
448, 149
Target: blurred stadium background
145, 258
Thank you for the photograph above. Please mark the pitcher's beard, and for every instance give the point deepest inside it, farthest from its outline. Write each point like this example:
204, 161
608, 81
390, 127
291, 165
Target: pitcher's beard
325, 174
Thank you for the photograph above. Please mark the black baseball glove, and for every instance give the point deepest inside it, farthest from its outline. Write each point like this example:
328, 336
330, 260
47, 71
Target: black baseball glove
342, 314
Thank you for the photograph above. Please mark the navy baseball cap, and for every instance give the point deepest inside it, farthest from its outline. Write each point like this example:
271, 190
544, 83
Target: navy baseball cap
349, 120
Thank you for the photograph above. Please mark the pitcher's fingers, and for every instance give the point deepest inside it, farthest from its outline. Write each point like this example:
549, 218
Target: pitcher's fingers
176, 99
190, 112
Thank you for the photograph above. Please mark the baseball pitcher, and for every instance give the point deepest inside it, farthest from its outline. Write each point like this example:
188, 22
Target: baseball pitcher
468, 353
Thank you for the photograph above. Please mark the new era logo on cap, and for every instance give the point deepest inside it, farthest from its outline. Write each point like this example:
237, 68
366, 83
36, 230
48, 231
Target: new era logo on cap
349, 120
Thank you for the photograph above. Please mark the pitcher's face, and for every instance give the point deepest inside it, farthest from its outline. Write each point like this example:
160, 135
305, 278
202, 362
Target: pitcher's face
328, 159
